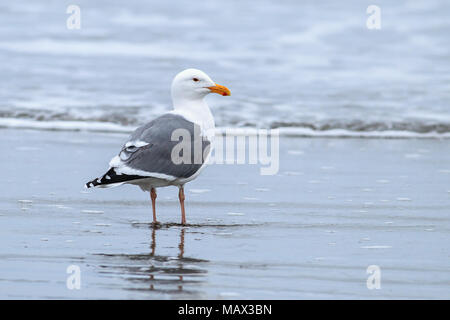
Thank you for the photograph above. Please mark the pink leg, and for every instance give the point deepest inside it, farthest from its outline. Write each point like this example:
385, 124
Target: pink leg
183, 213
153, 197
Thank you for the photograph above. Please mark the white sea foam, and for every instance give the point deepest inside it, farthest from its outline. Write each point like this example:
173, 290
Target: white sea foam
94, 48
199, 190
63, 125
96, 126
376, 247
86, 48
235, 213
134, 19
93, 211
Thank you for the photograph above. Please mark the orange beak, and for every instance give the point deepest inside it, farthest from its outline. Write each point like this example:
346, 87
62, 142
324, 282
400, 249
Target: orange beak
220, 90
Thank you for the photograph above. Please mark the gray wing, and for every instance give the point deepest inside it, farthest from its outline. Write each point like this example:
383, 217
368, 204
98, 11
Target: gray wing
151, 149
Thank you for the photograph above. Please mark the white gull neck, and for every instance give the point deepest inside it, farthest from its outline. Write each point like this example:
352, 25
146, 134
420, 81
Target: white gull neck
195, 110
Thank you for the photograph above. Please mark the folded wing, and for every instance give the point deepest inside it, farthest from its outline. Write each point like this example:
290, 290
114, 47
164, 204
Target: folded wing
150, 152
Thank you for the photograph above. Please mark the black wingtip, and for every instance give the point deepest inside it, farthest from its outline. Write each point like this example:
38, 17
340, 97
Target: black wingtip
111, 177
88, 185
92, 184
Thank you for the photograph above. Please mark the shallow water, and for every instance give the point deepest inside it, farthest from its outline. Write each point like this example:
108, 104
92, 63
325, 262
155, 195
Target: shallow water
298, 64
335, 207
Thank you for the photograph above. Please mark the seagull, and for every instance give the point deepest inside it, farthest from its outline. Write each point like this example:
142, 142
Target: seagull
172, 149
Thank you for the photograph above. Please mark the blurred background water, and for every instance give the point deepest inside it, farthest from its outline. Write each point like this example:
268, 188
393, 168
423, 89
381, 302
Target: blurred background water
305, 64
340, 204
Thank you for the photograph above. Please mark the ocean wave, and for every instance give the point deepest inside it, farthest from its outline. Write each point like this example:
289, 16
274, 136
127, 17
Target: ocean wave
135, 19
133, 115
108, 127
121, 48
356, 125
95, 48
64, 125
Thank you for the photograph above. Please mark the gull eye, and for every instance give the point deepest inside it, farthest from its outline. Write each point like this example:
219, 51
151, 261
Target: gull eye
195, 79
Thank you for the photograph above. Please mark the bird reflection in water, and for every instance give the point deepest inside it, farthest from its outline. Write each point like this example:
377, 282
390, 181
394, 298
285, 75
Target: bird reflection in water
180, 257
159, 273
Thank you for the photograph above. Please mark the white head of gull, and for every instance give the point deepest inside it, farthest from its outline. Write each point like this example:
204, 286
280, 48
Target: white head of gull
189, 88
146, 159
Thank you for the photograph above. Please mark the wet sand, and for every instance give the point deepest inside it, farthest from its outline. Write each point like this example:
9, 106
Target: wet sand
335, 207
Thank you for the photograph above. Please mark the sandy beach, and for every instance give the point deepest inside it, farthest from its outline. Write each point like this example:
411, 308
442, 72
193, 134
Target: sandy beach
336, 207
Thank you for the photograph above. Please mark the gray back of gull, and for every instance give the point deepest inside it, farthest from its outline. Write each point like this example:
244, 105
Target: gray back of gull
156, 156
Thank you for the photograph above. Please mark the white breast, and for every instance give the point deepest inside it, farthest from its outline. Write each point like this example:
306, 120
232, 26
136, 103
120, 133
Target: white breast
200, 115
